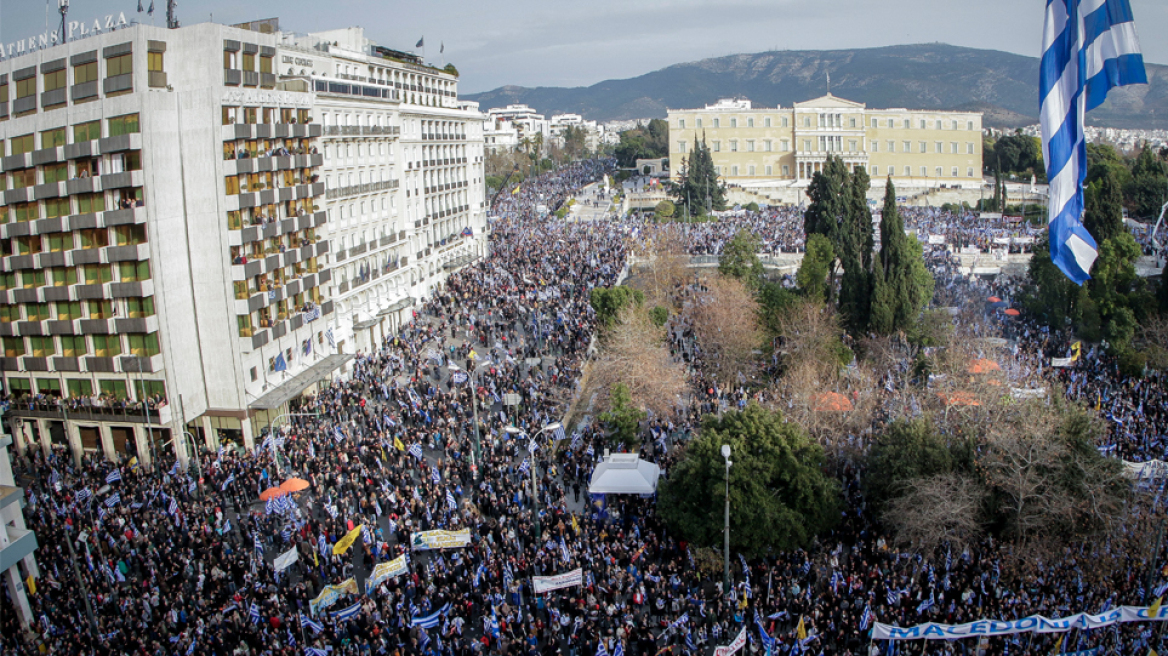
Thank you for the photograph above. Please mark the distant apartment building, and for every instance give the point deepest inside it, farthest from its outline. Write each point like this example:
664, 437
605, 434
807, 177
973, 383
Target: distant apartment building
593, 132
914, 147
215, 219
530, 126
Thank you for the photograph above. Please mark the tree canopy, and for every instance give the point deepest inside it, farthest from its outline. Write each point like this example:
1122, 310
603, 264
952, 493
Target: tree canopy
698, 188
739, 258
779, 496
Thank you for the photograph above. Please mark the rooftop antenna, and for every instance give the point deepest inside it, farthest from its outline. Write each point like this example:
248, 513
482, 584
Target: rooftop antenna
171, 19
63, 6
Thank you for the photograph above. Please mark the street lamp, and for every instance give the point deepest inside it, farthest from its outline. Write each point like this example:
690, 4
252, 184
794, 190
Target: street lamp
476, 454
195, 452
534, 490
726, 543
63, 7
271, 422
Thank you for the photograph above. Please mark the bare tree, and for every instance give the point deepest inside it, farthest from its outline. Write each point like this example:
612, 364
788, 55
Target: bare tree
634, 352
725, 321
935, 510
665, 262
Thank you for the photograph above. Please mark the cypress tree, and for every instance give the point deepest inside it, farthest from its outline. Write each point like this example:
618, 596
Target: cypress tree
828, 207
893, 302
700, 180
855, 242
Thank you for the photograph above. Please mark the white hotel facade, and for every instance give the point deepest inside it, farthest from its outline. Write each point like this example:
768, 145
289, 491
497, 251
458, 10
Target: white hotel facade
217, 218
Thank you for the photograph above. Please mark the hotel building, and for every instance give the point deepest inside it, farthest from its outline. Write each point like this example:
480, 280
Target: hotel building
202, 218
788, 146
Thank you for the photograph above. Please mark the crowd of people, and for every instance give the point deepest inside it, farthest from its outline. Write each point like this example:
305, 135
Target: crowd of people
423, 434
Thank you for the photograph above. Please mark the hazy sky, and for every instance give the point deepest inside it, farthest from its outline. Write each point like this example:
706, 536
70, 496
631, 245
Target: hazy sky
576, 43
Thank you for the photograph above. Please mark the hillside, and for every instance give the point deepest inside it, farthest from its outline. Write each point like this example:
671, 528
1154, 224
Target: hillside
926, 76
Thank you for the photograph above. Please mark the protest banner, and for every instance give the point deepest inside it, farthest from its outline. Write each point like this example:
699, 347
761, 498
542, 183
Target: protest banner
426, 540
1031, 624
385, 571
733, 646
541, 584
285, 560
330, 594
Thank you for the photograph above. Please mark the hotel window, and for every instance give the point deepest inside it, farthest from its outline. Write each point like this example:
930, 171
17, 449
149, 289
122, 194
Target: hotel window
72, 347
96, 274
90, 203
937, 147
750, 170
13, 347
42, 347
36, 311
59, 241
230, 115
733, 122
69, 311
56, 207
22, 144
766, 122
681, 147
56, 80
120, 125
786, 170
734, 171
130, 235
717, 146
141, 307
681, 124
9, 313
969, 148
25, 212
265, 64
120, 65
769, 170
56, 173
733, 145
22, 178
143, 345
698, 123
78, 386
4, 95
26, 88
249, 61
249, 115
717, 122
101, 309
133, 271
83, 73
53, 138
86, 131
64, 276
106, 346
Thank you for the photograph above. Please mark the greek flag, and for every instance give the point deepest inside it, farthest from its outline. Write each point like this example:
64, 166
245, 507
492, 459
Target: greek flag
435, 476
893, 596
767, 641
866, 618
346, 613
313, 651
478, 575
338, 435
458, 377
689, 642
255, 614
82, 495
173, 506
258, 547
268, 442
312, 624
113, 500
229, 481
54, 477
329, 336
619, 649
113, 476
559, 432
1088, 47
450, 500
174, 469
416, 450
508, 576
430, 621
576, 437
524, 467
600, 650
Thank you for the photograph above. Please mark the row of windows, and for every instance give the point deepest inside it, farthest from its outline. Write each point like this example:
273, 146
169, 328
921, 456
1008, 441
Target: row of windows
74, 346
125, 235
938, 172
264, 115
281, 310
830, 143
134, 308
78, 387
82, 73
835, 121
51, 208
88, 131
89, 274
246, 61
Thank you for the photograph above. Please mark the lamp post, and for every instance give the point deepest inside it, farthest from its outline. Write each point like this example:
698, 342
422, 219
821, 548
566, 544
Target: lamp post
195, 452
272, 422
726, 531
81, 582
534, 490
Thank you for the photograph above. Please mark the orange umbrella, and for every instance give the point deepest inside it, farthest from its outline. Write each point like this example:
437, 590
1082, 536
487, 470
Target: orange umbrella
831, 402
994, 299
294, 485
982, 366
271, 492
959, 398
1012, 312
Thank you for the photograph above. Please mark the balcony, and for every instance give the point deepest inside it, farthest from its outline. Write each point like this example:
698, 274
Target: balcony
21, 542
366, 188
361, 130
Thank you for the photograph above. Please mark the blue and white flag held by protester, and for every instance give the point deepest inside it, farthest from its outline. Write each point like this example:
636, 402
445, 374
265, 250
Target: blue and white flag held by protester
1088, 47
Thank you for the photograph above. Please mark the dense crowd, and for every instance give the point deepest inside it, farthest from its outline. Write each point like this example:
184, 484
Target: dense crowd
418, 437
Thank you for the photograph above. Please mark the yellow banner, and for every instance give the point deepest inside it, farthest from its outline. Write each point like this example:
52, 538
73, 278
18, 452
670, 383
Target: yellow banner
347, 541
387, 570
425, 540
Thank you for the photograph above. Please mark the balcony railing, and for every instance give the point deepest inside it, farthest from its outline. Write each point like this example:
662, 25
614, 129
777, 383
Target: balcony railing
353, 190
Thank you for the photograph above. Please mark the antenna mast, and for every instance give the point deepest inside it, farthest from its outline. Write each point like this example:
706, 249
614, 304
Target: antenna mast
171, 19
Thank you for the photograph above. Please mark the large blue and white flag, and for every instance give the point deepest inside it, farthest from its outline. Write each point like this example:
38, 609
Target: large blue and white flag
113, 476
1088, 47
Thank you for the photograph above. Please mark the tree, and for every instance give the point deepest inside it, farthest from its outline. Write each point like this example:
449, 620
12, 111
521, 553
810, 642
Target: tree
623, 418
664, 210
643, 142
905, 451
739, 258
609, 301
779, 496
1051, 296
935, 510
902, 284
1103, 209
634, 353
1113, 288
699, 188
451, 69
813, 270
1148, 189
855, 241
725, 322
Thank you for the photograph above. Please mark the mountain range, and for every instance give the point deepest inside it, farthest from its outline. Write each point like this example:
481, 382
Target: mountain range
1002, 85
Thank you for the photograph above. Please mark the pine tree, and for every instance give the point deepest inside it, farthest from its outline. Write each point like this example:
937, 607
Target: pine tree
828, 207
699, 182
899, 287
854, 245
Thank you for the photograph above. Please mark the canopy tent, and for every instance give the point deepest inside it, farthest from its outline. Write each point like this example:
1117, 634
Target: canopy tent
831, 402
624, 473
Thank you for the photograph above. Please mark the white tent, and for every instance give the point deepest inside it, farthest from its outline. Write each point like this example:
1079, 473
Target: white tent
624, 473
